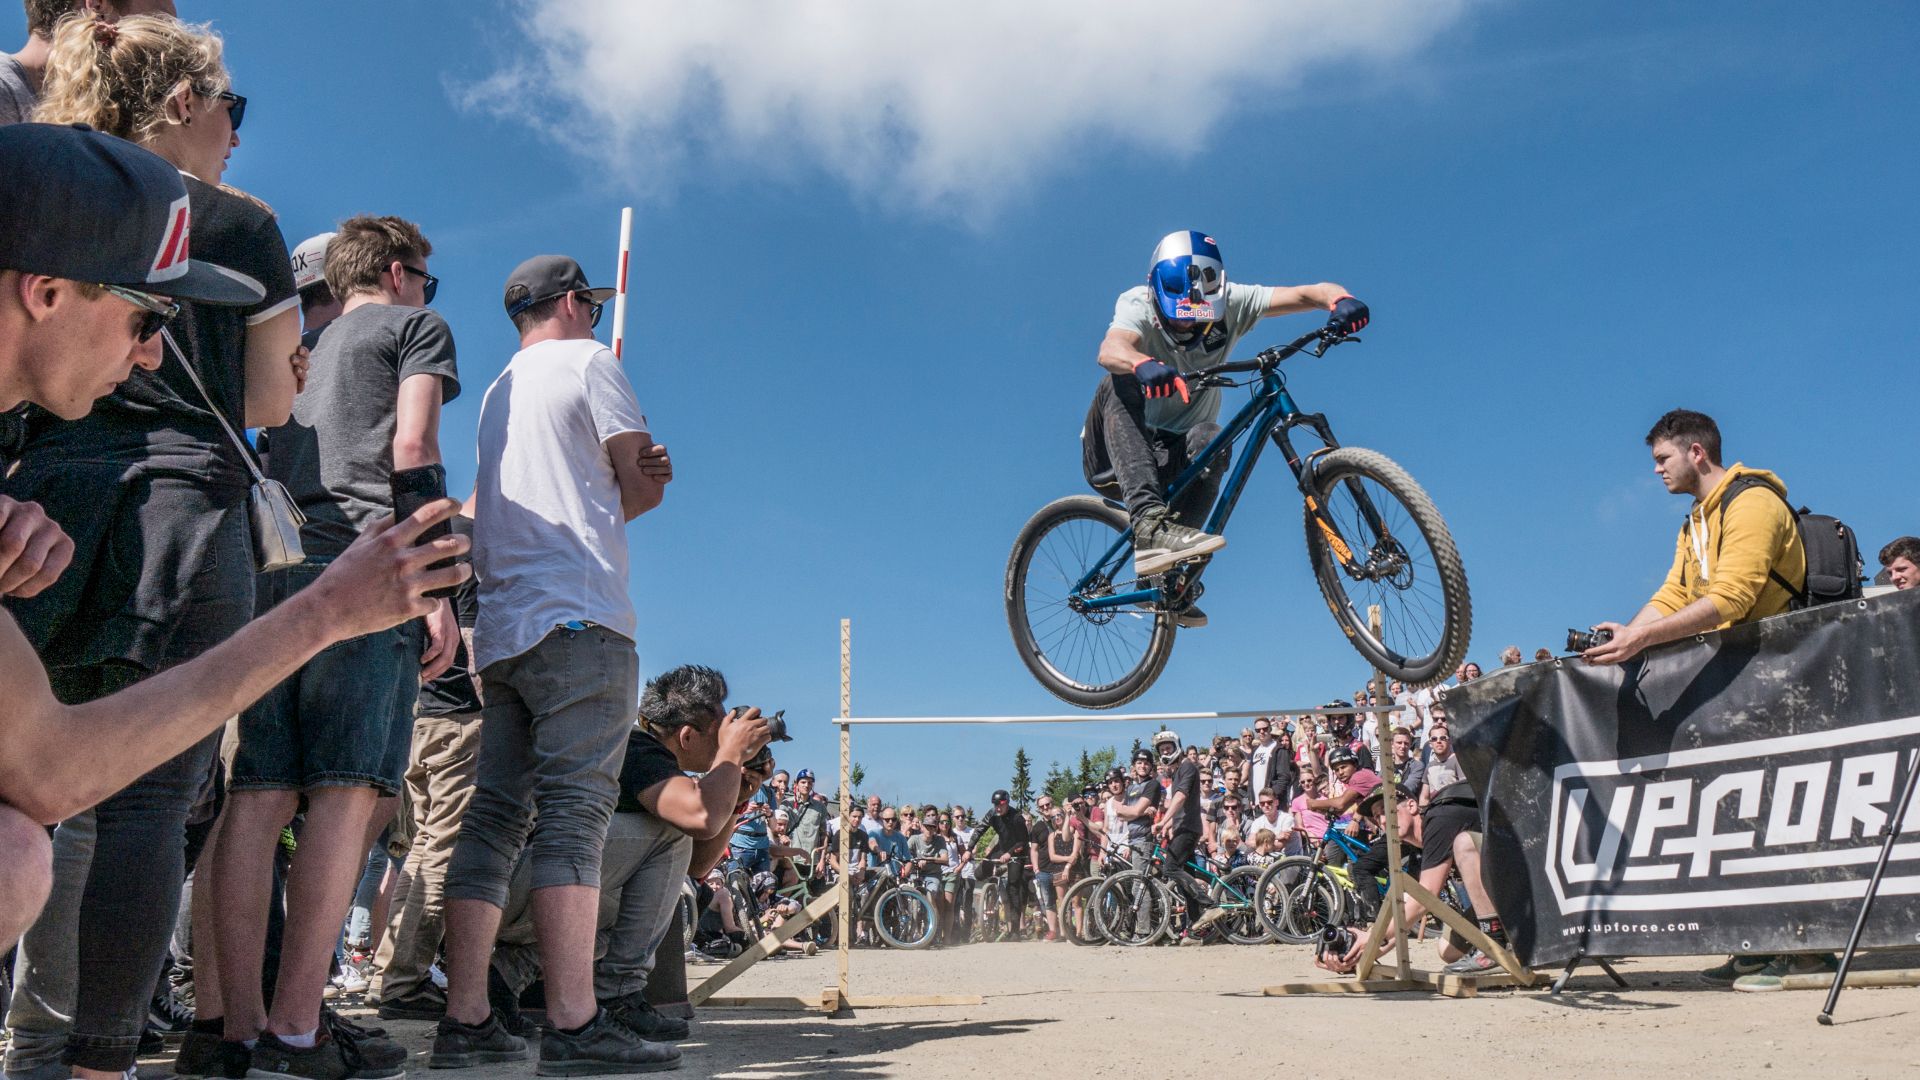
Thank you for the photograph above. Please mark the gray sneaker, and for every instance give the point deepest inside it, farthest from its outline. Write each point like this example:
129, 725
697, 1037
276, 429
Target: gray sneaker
1160, 544
462, 1046
603, 1046
640, 1017
327, 1059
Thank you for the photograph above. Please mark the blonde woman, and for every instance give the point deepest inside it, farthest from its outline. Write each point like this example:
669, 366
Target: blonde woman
153, 493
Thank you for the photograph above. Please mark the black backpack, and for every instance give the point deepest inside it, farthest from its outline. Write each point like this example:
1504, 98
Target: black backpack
1834, 567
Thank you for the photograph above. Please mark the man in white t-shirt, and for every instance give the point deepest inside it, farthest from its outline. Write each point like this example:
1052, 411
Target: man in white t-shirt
1265, 745
566, 462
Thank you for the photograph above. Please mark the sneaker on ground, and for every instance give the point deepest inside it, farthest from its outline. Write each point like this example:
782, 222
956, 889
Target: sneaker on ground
169, 1014
462, 1046
1474, 963
1736, 967
1774, 977
604, 1046
199, 1054
437, 975
1159, 544
425, 1002
327, 1059
351, 980
151, 1041
372, 1043
640, 1017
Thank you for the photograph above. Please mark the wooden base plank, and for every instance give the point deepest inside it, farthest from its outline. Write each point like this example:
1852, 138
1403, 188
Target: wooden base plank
911, 1001
771, 1002
1824, 980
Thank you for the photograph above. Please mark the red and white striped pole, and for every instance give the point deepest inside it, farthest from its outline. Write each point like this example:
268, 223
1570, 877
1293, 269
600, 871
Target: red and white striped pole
620, 296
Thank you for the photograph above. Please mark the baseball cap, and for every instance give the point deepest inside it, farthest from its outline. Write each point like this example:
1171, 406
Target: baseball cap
88, 207
780, 814
310, 262
544, 277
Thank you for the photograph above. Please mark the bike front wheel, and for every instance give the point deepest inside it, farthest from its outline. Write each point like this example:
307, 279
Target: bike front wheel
1376, 539
1132, 908
1249, 909
1312, 904
905, 918
1077, 919
1095, 658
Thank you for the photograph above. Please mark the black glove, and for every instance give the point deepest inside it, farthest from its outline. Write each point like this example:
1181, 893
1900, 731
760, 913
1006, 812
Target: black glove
1159, 380
1349, 316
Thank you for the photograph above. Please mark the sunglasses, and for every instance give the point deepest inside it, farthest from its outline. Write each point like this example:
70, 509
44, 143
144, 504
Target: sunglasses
432, 286
236, 104
158, 312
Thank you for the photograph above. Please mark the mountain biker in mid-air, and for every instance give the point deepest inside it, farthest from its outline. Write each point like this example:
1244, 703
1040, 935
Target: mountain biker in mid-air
1146, 425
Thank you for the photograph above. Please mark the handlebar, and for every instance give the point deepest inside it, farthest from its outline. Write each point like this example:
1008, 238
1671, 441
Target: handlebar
1269, 358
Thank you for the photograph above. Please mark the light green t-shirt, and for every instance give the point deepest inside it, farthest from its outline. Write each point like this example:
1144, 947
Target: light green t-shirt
1134, 311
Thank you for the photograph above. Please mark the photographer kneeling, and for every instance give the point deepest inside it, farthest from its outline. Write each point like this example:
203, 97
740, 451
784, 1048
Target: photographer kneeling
666, 825
1737, 560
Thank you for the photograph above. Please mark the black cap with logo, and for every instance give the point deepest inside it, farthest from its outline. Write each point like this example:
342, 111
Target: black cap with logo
544, 277
89, 207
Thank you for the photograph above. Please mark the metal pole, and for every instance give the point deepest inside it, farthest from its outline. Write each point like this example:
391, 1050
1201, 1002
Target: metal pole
620, 283
1873, 888
846, 800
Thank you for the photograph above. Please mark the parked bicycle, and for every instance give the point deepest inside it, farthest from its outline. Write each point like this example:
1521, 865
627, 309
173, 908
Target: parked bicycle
1138, 906
1096, 636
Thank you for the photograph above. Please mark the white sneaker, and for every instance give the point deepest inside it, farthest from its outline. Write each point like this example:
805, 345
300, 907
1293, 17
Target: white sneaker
351, 980
437, 975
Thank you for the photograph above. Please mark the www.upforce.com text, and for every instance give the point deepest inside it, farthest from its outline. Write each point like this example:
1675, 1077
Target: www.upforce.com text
1631, 928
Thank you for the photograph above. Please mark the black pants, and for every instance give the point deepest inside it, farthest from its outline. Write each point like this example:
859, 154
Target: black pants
1126, 460
1013, 898
1174, 858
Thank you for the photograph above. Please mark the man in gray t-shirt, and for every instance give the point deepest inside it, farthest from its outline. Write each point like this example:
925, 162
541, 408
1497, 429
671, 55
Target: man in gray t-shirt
17, 98
1146, 424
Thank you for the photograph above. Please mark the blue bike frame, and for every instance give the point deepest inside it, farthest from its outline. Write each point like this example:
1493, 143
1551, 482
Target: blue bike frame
1273, 413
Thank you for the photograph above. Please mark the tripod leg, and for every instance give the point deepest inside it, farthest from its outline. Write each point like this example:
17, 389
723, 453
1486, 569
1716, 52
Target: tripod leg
1612, 974
1566, 974
1873, 886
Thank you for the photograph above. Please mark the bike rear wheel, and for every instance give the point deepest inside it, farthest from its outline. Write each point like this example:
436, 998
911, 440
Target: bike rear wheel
1375, 538
1133, 908
1245, 923
989, 923
905, 918
1097, 658
1313, 902
1076, 913
746, 911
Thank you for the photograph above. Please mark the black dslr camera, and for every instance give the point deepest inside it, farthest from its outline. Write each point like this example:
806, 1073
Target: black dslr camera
1335, 939
1579, 641
777, 732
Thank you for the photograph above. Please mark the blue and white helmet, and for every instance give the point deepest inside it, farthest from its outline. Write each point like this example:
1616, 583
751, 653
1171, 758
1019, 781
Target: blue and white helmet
1188, 280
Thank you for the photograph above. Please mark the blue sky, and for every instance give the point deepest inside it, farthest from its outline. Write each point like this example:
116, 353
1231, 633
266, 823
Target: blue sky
875, 279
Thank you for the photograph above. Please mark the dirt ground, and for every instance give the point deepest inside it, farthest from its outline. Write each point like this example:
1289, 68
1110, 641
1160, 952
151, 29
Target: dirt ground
1059, 1011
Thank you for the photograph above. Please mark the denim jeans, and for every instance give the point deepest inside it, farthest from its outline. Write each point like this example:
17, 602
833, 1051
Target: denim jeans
1126, 460
40, 1011
552, 742
343, 720
645, 862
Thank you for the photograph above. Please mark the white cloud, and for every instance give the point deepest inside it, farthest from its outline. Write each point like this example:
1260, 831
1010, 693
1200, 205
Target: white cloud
951, 105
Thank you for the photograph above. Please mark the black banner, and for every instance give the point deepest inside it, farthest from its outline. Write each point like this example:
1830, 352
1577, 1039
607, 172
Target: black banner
1724, 794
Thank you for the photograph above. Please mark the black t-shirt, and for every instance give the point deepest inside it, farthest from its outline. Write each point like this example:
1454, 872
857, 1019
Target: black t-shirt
148, 486
1186, 780
454, 693
336, 455
1049, 864
1010, 836
648, 763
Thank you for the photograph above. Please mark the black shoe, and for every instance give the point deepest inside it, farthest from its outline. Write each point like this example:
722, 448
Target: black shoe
168, 1014
605, 1045
427, 1002
327, 1059
462, 1046
639, 1015
1190, 617
151, 1041
372, 1043
200, 1054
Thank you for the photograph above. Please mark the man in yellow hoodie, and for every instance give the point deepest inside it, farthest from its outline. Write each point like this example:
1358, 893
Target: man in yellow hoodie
1734, 562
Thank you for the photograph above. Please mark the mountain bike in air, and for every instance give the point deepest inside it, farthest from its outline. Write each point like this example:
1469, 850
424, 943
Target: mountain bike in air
1097, 636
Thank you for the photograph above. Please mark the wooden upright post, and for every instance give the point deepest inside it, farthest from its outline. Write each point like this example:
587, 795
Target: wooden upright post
845, 936
1389, 918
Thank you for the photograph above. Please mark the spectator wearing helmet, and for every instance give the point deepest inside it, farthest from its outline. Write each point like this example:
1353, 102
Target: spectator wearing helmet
1182, 826
808, 822
1350, 784
1012, 849
1901, 562
1145, 423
